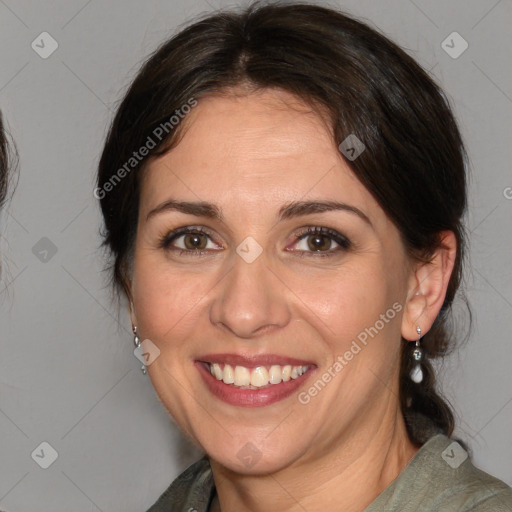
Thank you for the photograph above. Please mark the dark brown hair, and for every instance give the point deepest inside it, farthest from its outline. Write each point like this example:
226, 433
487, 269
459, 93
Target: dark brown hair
414, 161
4, 163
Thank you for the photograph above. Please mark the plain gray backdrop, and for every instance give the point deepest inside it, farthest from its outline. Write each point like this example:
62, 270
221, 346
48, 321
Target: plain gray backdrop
68, 376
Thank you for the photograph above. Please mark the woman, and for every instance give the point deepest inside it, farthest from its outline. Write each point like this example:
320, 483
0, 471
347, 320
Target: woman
282, 191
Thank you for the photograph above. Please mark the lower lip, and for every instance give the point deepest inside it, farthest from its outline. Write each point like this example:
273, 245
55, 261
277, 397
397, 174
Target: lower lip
250, 397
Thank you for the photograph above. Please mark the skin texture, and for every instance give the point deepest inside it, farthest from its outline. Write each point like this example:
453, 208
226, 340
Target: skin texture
250, 155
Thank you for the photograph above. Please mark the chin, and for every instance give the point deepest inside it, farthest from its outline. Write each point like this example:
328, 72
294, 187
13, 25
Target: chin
251, 460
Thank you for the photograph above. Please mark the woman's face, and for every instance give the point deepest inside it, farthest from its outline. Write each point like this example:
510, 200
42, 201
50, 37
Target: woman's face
248, 285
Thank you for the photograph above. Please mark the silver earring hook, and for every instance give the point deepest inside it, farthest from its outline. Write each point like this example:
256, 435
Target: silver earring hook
136, 342
417, 356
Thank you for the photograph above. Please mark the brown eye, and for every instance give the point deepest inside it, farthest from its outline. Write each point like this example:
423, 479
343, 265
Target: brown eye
319, 242
194, 241
190, 240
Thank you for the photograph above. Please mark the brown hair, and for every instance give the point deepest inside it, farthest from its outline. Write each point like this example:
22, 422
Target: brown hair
4, 163
414, 162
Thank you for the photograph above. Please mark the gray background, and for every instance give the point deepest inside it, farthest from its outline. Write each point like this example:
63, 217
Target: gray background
68, 375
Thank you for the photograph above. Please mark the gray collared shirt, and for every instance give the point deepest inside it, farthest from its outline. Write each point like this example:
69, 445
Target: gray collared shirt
439, 478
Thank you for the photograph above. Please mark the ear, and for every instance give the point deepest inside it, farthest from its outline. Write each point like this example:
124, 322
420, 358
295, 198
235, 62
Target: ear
129, 289
427, 288
133, 317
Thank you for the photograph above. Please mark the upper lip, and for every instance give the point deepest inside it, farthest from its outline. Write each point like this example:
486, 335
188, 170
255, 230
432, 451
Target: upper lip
251, 361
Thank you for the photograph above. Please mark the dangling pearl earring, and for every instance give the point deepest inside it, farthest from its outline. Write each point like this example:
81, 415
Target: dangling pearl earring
417, 356
136, 342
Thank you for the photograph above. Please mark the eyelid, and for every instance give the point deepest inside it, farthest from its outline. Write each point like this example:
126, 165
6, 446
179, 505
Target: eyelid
343, 242
165, 240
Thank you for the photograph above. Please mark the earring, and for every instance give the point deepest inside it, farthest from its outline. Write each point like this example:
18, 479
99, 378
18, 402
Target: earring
136, 342
417, 356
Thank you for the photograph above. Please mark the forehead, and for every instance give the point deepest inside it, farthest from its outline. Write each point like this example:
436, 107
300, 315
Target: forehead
253, 150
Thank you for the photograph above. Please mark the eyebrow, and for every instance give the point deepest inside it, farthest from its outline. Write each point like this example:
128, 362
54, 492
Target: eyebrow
299, 208
199, 209
286, 212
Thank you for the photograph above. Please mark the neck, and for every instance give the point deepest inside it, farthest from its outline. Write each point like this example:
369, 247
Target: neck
348, 477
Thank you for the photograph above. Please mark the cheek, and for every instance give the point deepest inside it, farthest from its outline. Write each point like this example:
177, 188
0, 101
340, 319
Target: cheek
345, 299
160, 297
168, 299
357, 311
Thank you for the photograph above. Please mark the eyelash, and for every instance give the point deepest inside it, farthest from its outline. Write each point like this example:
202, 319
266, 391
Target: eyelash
342, 241
166, 240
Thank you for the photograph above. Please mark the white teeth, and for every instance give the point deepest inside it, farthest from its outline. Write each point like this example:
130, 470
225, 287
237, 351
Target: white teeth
242, 376
275, 374
228, 375
258, 377
217, 372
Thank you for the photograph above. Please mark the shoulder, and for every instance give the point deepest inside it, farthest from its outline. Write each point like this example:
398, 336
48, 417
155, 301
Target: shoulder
191, 490
460, 484
442, 478
469, 488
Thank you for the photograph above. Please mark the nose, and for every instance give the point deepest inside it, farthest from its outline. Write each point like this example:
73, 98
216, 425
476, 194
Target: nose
251, 300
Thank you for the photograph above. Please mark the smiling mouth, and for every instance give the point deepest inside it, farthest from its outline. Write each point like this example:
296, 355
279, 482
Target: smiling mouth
259, 377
